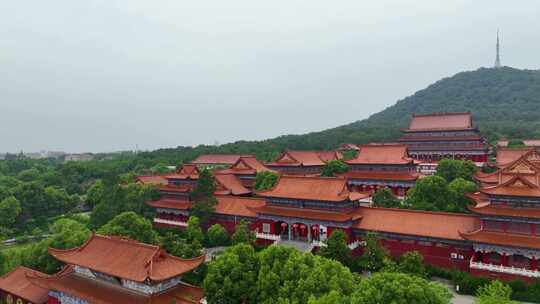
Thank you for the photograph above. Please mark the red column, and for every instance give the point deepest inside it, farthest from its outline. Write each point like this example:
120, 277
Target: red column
534, 263
504, 259
485, 258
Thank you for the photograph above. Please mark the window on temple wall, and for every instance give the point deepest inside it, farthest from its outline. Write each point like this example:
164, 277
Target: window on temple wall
494, 225
495, 258
266, 228
518, 261
523, 228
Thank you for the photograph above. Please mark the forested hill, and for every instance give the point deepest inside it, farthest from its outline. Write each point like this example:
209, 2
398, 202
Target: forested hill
504, 102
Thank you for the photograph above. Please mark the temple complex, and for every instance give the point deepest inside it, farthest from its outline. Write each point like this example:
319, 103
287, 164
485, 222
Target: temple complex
507, 244
302, 162
506, 156
246, 169
107, 270
382, 166
432, 137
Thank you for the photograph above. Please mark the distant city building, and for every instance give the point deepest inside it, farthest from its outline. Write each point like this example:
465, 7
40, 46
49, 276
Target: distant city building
79, 157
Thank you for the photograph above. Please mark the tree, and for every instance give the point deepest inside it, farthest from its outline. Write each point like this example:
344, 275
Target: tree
334, 167
412, 262
217, 236
203, 196
450, 169
29, 175
10, 209
205, 187
289, 276
336, 248
243, 234
174, 244
399, 288
265, 180
66, 234
429, 193
494, 293
131, 225
374, 255
194, 232
333, 297
95, 194
385, 198
459, 187
232, 277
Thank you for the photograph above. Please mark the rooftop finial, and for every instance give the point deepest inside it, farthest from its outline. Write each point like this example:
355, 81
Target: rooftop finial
498, 57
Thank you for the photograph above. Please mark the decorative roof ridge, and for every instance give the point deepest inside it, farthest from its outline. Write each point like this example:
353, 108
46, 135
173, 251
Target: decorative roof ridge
517, 176
420, 211
350, 212
27, 272
522, 158
253, 198
441, 114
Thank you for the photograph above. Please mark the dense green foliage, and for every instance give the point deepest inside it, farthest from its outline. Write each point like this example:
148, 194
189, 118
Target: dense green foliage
334, 167
203, 197
336, 248
374, 256
242, 234
131, 225
399, 288
265, 180
217, 236
450, 169
385, 198
494, 293
275, 275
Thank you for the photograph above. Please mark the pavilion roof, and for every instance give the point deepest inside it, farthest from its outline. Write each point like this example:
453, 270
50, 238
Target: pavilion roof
485, 208
418, 223
236, 205
387, 154
218, 159
526, 166
16, 282
305, 158
305, 213
170, 203
503, 238
506, 156
187, 171
126, 259
152, 179
100, 292
311, 188
441, 122
518, 185
382, 175
245, 165
229, 184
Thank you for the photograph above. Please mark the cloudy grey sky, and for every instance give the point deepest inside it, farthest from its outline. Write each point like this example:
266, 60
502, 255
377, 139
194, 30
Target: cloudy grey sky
112, 74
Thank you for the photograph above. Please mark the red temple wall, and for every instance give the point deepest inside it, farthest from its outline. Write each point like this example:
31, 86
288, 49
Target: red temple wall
500, 276
53, 300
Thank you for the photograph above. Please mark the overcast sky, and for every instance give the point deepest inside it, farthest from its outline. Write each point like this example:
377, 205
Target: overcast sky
112, 74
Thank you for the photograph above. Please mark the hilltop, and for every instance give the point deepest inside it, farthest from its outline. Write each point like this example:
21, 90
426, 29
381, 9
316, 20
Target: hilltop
505, 102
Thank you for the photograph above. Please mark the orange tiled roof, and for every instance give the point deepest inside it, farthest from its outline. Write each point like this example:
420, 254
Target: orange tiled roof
526, 166
382, 175
310, 188
17, 283
305, 213
152, 179
420, 223
382, 154
532, 142
441, 121
235, 205
169, 203
217, 159
305, 158
506, 156
230, 184
98, 292
516, 186
503, 238
245, 165
496, 210
176, 188
126, 258
187, 171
